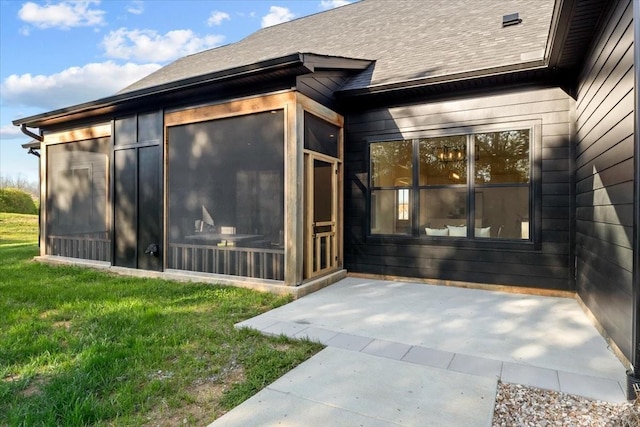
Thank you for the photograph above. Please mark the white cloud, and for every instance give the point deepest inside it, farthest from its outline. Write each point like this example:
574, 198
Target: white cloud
149, 46
62, 15
11, 132
277, 15
332, 4
217, 17
71, 86
136, 7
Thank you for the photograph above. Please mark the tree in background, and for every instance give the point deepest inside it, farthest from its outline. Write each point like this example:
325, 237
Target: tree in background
21, 183
14, 200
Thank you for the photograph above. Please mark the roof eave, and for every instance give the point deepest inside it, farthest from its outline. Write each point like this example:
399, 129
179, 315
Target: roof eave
31, 144
448, 78
559, 28
299, 63
315, 61
563, 11
113, 103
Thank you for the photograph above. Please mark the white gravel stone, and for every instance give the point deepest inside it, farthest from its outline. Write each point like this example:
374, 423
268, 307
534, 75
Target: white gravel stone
523, 406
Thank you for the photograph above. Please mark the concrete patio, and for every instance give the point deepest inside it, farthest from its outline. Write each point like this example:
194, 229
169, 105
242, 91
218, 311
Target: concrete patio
413, 354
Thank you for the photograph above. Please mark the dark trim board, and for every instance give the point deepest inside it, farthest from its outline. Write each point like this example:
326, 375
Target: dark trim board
635, 356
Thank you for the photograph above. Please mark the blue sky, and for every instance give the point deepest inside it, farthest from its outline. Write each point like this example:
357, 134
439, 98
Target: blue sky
54, 54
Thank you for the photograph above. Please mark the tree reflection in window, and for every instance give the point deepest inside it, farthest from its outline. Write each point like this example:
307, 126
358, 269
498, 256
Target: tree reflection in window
391, 164
443, 160
502, 157
495, 205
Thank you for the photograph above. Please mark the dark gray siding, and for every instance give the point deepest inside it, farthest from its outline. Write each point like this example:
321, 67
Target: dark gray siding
604, 176
545, 266
321, 85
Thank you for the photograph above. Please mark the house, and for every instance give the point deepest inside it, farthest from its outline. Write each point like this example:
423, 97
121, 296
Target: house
492, 142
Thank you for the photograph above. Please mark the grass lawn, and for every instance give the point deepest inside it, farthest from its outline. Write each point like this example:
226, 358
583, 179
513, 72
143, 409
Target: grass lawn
81, 347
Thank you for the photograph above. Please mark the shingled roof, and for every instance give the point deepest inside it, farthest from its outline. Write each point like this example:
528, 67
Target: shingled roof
407, 40
383, 45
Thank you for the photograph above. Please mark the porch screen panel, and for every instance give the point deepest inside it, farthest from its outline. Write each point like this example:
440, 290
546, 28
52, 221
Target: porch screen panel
320, 136
77, 200
226, 196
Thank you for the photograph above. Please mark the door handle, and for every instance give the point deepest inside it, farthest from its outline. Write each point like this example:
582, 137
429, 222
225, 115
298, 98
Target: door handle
153, 250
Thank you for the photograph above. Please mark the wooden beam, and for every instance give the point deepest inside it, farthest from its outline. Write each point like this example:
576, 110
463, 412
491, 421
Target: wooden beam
97, 131
229, 109
293, 194
309, 247
320, 110
43, 200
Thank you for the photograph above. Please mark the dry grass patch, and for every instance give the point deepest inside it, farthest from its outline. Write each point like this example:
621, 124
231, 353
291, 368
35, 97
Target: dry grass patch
204, 398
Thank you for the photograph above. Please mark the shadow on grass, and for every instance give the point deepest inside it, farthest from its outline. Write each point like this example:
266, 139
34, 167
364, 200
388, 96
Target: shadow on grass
82, 347
16, 242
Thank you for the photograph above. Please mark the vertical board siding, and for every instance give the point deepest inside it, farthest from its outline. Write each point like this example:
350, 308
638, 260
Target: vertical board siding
604, 176
548, 266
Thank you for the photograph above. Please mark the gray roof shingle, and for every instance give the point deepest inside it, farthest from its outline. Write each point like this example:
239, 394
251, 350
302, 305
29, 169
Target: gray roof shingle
407, 39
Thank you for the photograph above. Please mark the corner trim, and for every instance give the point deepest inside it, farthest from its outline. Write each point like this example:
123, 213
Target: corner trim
610, 342
635, 337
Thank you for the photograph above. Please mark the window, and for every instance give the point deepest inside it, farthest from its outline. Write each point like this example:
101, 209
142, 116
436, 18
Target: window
502, 176
474, 186
391, 180
443, 184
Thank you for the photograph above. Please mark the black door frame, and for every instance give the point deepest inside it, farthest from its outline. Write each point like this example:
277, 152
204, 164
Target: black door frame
635, 338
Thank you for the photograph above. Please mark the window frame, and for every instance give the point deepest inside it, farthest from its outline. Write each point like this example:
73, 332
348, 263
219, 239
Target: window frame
415, 237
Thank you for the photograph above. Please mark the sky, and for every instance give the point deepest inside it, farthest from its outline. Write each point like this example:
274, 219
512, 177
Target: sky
55, 54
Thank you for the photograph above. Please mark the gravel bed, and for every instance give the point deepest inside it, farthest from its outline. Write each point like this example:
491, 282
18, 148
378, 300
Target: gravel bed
518, 405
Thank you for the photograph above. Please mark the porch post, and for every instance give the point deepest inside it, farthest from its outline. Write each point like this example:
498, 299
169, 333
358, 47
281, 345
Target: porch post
42, 212
293, 194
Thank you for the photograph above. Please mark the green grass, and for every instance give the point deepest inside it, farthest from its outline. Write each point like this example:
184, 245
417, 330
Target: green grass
81, 347
18, 228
